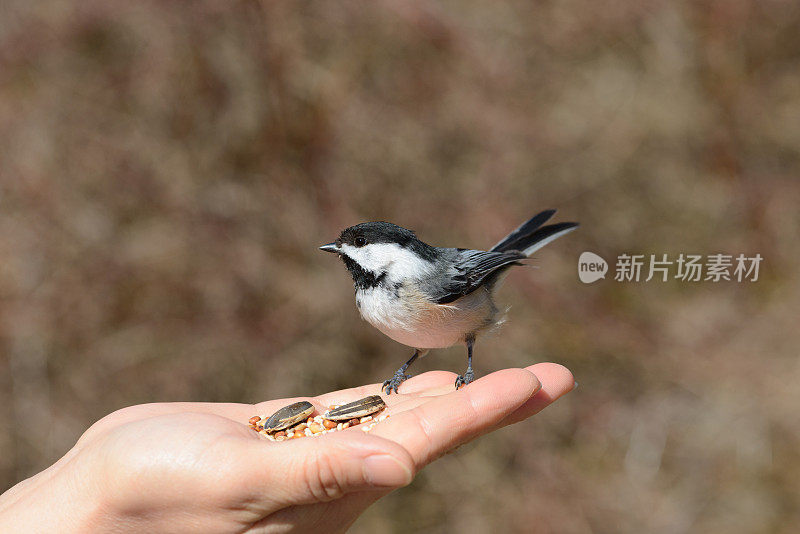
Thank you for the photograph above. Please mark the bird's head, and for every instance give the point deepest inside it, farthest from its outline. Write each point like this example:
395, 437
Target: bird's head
382, 252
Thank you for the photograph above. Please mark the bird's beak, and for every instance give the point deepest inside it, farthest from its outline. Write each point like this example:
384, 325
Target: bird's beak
330, 247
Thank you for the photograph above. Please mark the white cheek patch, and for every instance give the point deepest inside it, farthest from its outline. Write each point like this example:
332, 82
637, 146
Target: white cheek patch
399, 263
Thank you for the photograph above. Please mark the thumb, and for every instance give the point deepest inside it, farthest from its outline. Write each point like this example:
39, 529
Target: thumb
311, 470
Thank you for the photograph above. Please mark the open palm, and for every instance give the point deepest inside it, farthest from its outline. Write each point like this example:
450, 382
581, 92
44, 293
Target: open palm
189, 467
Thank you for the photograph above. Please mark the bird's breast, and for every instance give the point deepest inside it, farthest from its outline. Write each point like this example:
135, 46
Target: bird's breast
406, 315
384, 306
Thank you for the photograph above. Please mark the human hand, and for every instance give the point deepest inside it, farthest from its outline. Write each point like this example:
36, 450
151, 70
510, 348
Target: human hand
197, 467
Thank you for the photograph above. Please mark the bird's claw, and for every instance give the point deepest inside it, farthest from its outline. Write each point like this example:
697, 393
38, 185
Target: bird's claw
466, 378
393, 383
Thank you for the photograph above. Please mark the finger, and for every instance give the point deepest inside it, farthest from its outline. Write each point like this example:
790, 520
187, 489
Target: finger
436, 426
426, 383
347, 395
336, 517
556, 381
314, 470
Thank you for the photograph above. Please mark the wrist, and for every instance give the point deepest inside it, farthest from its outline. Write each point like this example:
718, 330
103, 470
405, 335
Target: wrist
59, 499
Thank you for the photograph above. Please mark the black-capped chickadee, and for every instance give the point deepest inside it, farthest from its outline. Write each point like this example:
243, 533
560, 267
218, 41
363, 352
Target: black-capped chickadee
432, 297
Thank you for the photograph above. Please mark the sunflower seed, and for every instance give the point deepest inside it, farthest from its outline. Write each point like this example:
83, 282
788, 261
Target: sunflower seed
360, 408
289, 416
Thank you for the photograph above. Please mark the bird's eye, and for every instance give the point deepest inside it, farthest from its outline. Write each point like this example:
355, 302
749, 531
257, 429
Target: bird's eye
360, 241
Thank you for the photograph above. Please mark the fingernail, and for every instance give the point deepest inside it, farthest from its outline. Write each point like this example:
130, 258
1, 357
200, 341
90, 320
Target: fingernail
385, 470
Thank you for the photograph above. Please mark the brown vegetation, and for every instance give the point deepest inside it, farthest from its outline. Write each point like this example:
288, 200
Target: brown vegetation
167, 170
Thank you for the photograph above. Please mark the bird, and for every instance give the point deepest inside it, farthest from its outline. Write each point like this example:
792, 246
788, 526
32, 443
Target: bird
430, 297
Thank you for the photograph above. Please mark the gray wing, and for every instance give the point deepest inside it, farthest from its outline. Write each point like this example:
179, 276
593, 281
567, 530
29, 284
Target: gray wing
469, 269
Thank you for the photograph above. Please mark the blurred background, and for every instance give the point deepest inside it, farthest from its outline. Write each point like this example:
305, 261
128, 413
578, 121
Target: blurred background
168, 170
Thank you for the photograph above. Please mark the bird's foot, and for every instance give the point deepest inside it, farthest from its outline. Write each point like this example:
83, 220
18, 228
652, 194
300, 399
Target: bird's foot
394, 382
466, 378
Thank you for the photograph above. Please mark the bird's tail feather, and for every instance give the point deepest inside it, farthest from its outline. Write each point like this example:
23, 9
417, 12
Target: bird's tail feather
525, 229
531, 235
545, 235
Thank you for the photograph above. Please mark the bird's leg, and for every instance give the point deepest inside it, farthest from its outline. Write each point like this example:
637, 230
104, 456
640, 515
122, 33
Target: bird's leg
400, 375
468, 376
